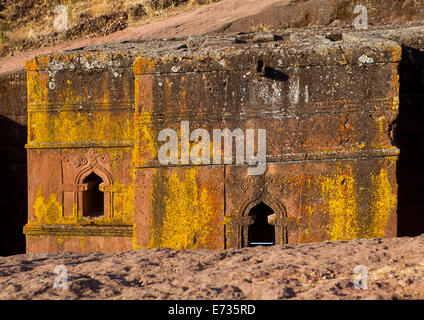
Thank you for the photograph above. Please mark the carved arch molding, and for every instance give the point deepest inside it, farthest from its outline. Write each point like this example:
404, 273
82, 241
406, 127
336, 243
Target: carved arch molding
251, 191
82, 166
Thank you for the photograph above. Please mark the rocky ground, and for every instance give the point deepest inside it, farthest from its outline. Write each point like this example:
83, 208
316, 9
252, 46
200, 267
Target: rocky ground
395, 270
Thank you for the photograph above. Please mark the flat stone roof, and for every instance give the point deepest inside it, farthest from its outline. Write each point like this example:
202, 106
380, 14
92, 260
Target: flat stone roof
306, 47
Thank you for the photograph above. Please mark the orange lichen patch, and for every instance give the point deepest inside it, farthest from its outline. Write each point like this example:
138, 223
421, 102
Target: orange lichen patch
39, 63
397, 53
144, 65
31, 65
37, 87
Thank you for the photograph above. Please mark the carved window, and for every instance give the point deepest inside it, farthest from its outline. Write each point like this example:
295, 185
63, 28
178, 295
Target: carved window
260, 232
92, 197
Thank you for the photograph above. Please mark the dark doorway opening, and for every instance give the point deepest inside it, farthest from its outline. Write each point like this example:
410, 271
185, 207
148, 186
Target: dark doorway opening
13, 185
409, 138
93, 198
261, 233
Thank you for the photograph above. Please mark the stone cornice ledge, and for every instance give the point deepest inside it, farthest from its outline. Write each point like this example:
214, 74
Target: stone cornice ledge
74, 230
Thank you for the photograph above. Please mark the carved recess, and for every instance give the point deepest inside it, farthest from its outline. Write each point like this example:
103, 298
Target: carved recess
80, 167
245, 193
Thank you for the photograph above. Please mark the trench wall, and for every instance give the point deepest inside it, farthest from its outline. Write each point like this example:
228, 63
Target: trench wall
13, 163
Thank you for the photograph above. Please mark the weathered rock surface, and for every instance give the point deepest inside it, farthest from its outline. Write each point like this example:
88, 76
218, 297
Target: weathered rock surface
316, 13
309, 271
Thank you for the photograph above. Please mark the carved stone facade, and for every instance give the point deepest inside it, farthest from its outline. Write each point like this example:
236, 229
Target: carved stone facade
96, 183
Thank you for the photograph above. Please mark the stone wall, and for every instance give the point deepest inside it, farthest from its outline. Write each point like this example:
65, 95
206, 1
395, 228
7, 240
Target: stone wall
330, 160
330, 169
80, 126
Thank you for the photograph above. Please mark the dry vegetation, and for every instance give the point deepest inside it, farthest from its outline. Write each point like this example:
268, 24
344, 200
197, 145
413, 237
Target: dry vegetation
26, 24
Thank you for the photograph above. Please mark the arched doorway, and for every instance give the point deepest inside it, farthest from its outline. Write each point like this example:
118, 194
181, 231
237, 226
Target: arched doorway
260, 232
262, 220
92, 198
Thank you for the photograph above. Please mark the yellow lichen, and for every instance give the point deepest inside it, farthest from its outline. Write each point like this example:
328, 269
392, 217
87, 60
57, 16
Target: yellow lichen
77, 127
123, 204
50, 212
60, 241
308, 232
144, 65
146, 148
341, 198
383, 201
82, 244
188, 214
